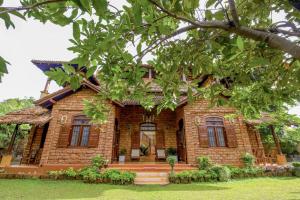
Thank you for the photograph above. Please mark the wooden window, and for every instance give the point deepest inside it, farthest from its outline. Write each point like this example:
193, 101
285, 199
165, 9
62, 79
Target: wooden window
80, 131
215, 131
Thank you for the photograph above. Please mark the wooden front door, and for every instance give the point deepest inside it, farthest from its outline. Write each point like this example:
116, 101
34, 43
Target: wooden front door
181, 144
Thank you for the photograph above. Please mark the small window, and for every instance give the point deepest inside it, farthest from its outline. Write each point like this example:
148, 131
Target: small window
80, 131
215, 130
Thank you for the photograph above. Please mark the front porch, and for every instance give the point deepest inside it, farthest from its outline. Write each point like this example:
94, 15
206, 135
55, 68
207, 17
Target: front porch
145, 137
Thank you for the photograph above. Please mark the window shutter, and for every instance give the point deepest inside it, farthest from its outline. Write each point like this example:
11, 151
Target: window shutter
231, 136
64, 136
135, 140
203, 136
94, 136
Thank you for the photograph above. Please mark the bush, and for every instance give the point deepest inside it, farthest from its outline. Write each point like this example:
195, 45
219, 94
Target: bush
248, 160
296, 164
117, 177
184, 177
99, 162
223, 172
204, 163
70, 172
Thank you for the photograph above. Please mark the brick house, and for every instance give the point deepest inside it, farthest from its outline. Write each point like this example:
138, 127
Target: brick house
62, 135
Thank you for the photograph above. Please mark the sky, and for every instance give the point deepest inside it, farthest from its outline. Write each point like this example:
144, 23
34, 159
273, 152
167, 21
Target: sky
34, 40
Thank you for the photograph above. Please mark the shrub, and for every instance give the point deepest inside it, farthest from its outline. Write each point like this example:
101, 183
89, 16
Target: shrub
248, 159
90, 174
204, 163
55, 174
171, 160
70, 172
199, 176
296, 164
117, 177
99, 162
182, 177
223, 172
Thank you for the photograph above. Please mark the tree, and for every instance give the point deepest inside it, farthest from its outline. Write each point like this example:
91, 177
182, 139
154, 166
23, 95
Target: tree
250, 61
7, 130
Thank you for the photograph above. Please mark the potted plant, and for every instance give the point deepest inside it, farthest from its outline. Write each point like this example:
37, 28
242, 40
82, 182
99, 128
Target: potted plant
172, 152
122, 154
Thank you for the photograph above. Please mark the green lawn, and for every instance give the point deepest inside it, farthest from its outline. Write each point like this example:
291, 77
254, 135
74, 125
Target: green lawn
260, 188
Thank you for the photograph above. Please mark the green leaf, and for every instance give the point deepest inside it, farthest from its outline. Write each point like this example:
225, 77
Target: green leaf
100, 7
240, 43
91, 71
16, 13
1, 2
86, 5
137, 12
3, 65
76, 31
210, 3
75, 82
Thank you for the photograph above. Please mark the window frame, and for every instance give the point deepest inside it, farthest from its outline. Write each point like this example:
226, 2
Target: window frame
215, 132
82, 126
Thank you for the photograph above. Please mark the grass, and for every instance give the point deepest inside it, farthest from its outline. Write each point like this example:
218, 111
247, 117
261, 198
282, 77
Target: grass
260, 188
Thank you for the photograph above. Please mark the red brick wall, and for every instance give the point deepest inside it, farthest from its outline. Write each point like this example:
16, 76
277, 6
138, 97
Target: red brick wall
67, 108
220, 155
129, 118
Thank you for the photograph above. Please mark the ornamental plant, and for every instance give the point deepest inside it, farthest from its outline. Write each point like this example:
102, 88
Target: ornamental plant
248, 160
204, 162
171, 160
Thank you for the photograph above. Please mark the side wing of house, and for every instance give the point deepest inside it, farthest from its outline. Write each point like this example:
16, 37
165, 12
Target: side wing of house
209, 133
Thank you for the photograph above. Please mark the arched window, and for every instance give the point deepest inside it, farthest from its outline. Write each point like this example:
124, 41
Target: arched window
215, 129
80, 131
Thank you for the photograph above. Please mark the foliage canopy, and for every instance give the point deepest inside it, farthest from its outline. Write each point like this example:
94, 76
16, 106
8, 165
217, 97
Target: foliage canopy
251, 60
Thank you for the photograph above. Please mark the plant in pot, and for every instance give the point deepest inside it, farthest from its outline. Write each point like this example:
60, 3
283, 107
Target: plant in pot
172, 152
122, 154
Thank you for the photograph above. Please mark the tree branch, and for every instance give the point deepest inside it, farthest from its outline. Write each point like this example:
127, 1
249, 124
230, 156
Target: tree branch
233, 12
10, 9
161, 40
271, 39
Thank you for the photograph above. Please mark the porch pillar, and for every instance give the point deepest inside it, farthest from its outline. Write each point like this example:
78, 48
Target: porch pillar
281, 159
13, 139
6, 159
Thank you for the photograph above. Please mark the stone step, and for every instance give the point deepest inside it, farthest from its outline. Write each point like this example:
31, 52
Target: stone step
152, 174
151, 178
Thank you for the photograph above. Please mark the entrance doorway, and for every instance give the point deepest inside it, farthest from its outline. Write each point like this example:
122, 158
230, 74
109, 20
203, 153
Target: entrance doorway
181, 144
148, 142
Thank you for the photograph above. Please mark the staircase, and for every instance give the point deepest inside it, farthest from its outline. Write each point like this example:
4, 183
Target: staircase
150, 173
151, 178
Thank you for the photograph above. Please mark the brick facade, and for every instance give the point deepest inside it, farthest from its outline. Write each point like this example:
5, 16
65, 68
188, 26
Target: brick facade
65, 109
129, 119
221, 155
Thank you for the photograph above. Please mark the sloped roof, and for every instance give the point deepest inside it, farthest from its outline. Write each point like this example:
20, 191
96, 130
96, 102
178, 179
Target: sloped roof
36, 115
50, 99
265, 118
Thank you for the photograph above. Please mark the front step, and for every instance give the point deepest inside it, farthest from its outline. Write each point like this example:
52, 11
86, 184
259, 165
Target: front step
141, 167
151, 178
